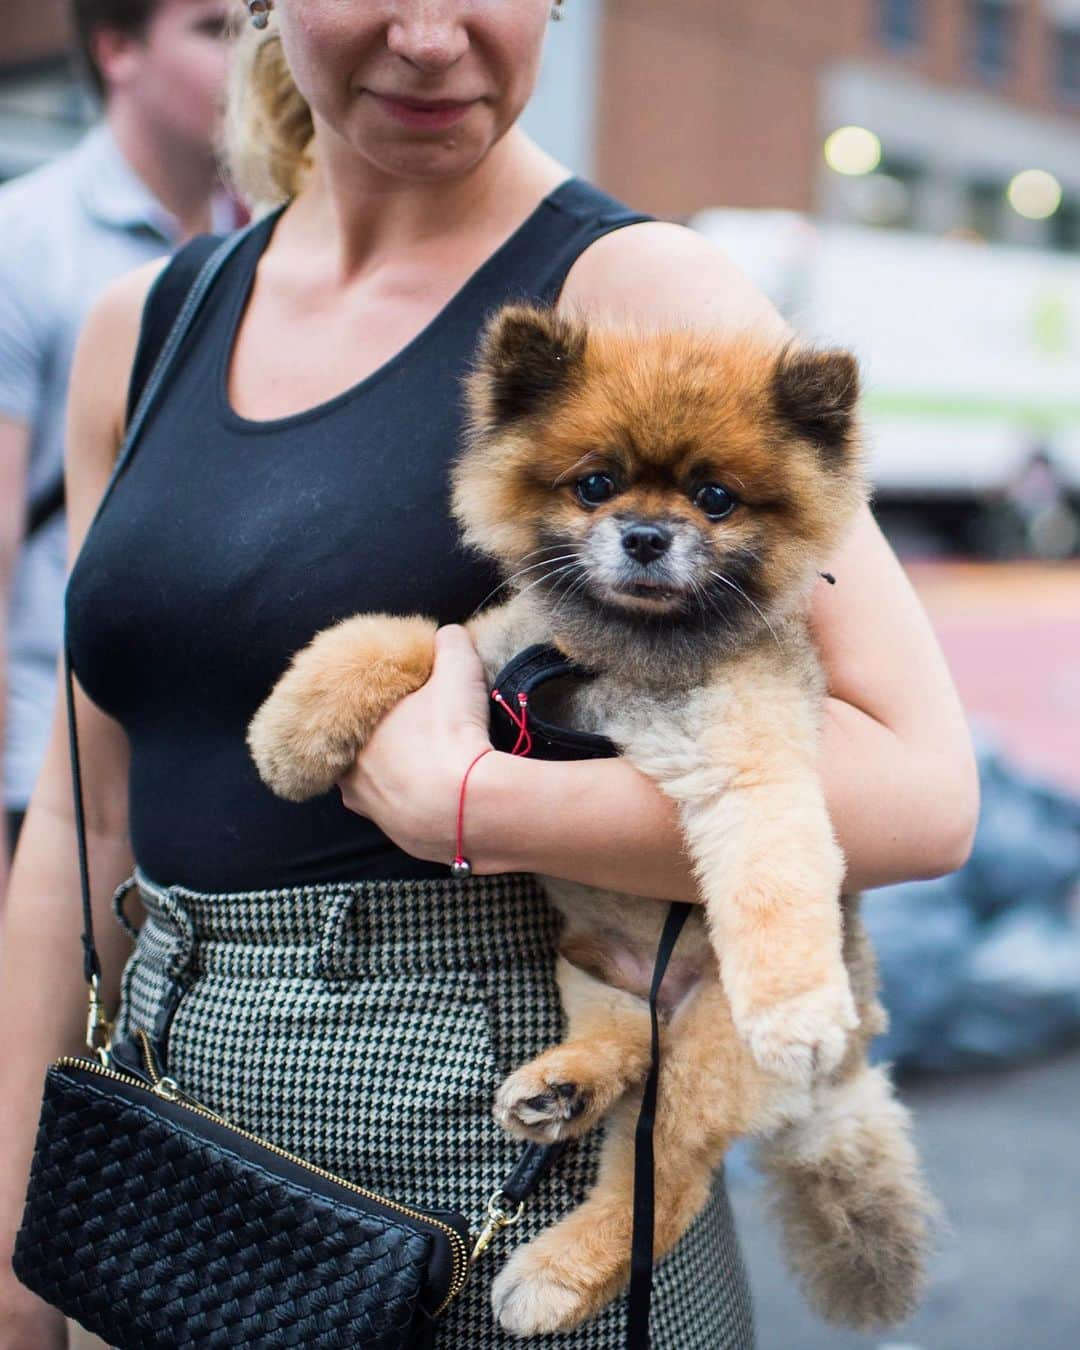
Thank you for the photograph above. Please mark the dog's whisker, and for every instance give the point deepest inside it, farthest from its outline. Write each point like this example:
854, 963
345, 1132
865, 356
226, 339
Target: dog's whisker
520, 572
740, 592
574, 587
547, 577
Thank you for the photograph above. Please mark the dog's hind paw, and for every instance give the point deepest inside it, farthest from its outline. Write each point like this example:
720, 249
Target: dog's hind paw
530, 1297
805, 1037
544, 1107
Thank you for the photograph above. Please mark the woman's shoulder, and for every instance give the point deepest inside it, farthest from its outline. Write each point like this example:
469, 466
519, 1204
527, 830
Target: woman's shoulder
105, 354
661, 274
111, 331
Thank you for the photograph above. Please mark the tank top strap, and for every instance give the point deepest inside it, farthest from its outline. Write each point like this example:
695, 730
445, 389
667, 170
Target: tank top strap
594, 213
536, 261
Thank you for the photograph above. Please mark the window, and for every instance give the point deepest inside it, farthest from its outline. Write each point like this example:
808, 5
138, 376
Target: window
986, 203
890, 198
1068, 62
1065, 226
992, 33
900, 23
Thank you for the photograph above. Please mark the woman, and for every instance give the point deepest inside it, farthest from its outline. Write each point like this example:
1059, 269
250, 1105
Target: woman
294, 471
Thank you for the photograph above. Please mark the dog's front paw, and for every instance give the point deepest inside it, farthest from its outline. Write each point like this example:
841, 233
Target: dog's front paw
298, 748
533, 1294
804, 1037
325, 707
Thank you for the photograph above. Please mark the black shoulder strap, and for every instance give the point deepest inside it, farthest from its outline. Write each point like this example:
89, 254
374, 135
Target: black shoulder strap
163, 304
189, 308
48, 505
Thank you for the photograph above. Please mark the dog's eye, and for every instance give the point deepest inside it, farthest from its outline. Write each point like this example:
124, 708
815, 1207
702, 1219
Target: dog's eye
596, 488
715, 501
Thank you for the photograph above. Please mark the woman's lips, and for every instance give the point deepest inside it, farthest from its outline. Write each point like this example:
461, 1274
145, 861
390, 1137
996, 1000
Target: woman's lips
423, 116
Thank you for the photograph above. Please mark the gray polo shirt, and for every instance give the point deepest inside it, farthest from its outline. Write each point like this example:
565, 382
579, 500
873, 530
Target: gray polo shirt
66, 231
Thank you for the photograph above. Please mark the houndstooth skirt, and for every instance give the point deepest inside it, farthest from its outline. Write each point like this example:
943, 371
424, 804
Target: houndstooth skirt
365, 1028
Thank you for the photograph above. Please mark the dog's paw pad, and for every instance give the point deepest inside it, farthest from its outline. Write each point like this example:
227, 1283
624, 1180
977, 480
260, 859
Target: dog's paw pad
531, 1107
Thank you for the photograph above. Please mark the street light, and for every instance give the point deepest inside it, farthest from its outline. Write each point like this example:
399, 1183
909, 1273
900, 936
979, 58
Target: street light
852, 151
1034, 194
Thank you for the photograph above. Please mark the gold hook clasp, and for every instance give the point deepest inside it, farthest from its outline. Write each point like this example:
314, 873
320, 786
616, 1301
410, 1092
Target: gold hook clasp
497, 1219
99, 1029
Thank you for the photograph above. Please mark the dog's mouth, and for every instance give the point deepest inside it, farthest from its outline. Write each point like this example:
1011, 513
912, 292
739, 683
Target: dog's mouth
647, 596
655, 592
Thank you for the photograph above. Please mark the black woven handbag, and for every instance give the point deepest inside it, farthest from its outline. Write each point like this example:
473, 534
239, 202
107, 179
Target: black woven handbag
154, 1222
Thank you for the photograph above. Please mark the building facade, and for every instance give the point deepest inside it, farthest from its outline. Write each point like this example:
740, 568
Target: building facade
729, 102
43, 109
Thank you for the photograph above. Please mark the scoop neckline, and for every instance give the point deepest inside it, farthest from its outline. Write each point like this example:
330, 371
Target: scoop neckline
232, 418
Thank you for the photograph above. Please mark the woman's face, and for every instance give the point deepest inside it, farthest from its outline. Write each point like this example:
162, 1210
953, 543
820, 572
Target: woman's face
417, 88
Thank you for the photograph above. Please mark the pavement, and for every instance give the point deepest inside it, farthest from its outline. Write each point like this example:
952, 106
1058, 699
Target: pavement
1001, 1154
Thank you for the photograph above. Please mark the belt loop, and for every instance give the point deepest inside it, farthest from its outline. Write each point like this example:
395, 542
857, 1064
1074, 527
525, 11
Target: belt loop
119, 896
169, 912
337, 910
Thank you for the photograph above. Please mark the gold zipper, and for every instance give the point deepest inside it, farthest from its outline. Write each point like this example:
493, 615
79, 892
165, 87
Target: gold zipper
167, 1088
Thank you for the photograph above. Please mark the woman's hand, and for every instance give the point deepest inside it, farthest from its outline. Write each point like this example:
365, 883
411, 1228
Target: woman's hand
407, 779
26, 1323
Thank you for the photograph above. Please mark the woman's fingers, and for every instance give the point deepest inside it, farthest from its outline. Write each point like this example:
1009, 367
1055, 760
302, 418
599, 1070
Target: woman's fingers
458, 678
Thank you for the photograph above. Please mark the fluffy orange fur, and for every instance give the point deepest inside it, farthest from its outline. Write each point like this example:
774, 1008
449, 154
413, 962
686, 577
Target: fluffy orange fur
661, 504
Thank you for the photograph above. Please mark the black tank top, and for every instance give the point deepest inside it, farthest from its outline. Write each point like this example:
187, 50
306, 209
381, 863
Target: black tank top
227, 544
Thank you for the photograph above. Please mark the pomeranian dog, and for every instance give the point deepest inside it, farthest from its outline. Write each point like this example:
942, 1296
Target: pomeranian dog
661, 504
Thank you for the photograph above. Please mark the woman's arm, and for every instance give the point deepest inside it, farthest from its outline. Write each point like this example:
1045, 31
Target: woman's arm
43, 1000
897, 763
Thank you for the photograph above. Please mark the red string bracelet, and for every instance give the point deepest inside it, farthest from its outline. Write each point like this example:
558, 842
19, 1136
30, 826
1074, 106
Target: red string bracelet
461, 867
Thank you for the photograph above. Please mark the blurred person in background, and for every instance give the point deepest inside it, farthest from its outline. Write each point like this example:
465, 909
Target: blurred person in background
141, 181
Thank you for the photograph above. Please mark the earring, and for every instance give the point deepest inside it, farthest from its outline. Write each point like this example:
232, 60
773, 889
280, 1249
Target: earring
556, 10
260, 12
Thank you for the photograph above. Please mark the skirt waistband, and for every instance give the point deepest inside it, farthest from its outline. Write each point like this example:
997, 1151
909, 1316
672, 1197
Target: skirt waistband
357, 927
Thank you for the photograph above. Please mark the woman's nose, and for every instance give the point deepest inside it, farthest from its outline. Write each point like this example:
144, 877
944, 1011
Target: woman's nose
429, 34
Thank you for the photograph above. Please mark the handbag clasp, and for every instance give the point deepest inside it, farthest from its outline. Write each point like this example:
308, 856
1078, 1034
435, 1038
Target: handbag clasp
497, 1219
99, 1029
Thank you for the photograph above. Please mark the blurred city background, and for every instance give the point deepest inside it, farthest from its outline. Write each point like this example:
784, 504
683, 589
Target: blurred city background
902, 176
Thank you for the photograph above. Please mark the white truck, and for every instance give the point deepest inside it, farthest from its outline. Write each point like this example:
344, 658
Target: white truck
970, 351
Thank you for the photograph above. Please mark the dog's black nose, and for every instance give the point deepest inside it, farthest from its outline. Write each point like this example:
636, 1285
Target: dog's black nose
646, 543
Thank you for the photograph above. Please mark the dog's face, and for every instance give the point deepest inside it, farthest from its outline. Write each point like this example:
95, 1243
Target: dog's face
676, 489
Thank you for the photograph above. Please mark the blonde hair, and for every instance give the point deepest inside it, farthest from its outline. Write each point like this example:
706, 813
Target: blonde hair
268, 126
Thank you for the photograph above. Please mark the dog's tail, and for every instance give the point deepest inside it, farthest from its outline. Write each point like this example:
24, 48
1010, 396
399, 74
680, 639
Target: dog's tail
855, 1212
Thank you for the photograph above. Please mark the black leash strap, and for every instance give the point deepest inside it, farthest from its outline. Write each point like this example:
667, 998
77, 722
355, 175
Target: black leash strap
641, 1251
526, 672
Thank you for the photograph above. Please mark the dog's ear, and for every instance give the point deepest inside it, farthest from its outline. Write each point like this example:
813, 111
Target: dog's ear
815, 395
527, 356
